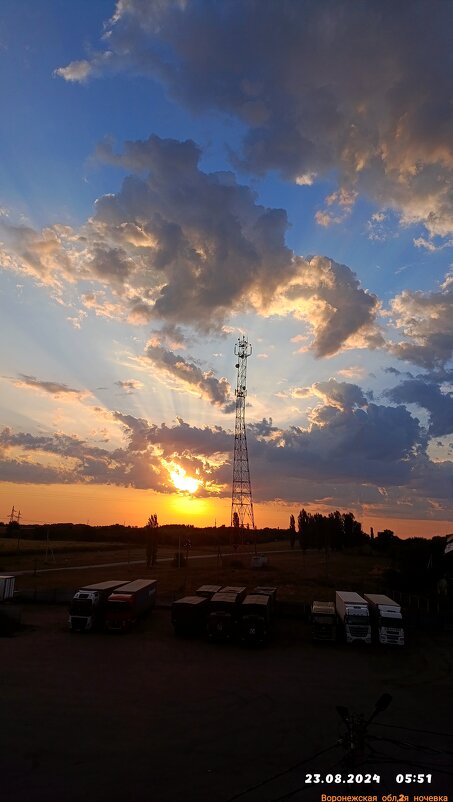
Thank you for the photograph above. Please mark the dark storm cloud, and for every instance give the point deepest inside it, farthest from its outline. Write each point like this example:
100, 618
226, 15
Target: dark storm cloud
80, 462
362, 89
375, 454
344, 395
429, 396
179, 438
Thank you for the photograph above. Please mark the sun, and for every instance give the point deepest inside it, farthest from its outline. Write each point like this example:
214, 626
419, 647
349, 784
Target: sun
178, 475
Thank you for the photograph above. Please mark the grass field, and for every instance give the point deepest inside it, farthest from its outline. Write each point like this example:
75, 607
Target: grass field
299, 576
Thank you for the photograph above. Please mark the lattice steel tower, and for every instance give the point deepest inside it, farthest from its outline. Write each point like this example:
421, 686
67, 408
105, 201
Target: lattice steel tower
241, 497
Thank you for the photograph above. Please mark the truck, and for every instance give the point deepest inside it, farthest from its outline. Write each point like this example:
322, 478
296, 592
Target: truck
256, 619
323, 621
353, 614
86, 611
224, 613
188, 615
268, 591
10, 614
208, 591
386, 619
6, 587
128, 603
240, 592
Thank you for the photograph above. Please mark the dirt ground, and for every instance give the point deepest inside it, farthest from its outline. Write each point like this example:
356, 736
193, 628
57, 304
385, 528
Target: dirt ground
148, 717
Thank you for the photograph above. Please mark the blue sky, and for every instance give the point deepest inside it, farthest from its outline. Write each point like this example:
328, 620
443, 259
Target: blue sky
175, 174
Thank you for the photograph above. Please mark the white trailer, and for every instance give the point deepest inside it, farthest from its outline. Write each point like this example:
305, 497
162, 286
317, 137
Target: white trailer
352, 611
386, 618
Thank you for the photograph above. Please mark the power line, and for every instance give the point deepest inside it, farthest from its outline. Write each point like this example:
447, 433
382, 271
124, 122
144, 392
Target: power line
413, 729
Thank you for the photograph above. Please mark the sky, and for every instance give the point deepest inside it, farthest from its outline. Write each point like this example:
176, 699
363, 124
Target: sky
176, 174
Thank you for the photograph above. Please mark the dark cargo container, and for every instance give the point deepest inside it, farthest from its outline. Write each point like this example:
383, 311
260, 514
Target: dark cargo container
240, 592
128, 603
323, 621
256, 619
268, 591
208, 591
188, 615
224, 614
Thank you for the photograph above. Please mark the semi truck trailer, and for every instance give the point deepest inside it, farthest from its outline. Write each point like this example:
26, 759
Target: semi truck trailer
256, 619
268, 591
386, 619
352, 611
188, 615
88, 605
208, 591
128, 603
323, 621
224, 614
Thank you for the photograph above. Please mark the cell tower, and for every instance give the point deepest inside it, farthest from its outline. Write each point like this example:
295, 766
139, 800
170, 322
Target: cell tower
241, 497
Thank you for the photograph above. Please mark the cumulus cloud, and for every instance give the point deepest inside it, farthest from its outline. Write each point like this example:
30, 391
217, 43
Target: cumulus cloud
319, 87
175, 243
373, 452
186, 247
200, 240
180, 438
428, 395
426, 319
189, 374
328, 296
76, 71
39, 254
337, 394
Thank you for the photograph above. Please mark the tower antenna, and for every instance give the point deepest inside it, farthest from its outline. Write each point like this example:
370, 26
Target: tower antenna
241, 497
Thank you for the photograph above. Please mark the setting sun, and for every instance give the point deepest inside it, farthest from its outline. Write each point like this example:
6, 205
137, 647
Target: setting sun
181, 481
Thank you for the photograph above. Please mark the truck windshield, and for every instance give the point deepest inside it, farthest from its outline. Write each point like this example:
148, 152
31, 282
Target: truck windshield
81, 607
358, 620
117, 607
386, 621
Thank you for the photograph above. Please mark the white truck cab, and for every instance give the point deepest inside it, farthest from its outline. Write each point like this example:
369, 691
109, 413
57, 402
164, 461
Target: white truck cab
386, 618
352, 610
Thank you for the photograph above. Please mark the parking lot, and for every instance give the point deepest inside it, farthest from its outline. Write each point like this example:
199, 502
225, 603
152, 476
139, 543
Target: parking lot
148, 716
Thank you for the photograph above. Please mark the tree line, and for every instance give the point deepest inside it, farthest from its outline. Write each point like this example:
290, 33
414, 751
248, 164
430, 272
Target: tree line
336, 531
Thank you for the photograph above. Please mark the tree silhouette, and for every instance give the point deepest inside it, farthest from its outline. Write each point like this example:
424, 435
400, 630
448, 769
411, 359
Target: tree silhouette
302, 528
292, 531
151, 540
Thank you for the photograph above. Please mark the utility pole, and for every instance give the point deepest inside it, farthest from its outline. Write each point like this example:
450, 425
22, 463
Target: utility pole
241, 497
